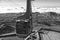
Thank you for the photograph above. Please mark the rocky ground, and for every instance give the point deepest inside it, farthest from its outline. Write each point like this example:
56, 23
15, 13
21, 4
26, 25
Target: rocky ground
48, 19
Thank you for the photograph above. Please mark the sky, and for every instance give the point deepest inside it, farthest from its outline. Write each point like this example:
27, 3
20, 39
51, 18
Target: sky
7, 6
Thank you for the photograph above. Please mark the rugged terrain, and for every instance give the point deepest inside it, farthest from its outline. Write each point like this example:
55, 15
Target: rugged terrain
46, 19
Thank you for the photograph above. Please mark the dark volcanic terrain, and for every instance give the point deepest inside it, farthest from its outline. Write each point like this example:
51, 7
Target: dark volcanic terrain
46, 19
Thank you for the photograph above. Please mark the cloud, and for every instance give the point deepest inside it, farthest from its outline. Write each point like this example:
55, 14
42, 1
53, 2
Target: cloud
15, 5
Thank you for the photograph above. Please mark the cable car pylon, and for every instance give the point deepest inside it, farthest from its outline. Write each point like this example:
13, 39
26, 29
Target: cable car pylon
24, 26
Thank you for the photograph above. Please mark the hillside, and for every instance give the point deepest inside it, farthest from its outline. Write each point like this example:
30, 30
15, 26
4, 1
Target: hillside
9, 18
49, 18
46, 18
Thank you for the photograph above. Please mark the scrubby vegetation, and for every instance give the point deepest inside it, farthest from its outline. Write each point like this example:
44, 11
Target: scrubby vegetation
46, 18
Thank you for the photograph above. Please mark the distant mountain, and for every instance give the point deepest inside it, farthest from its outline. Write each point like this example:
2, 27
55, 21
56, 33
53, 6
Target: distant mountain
49, 18
46, 18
